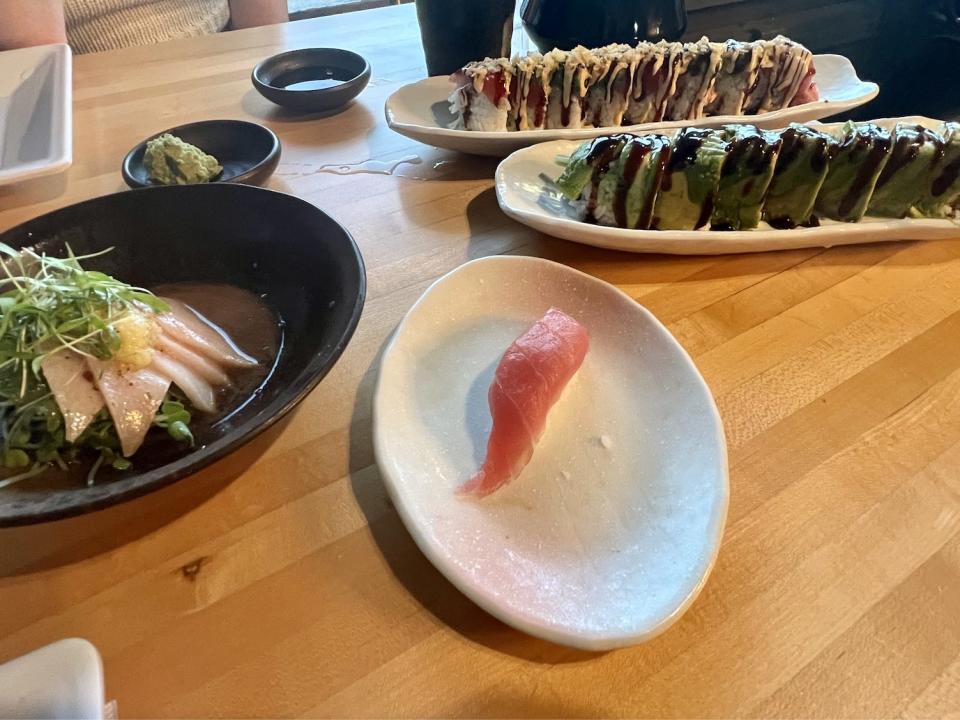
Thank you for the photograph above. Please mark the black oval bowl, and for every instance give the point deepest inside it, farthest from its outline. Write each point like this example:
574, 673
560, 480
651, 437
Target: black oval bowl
305, 264
271, 77
249, 153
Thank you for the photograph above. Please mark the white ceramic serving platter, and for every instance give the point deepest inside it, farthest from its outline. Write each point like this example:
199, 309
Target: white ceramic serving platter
525, 195
421, 111
63, 680
609, 533
36, 112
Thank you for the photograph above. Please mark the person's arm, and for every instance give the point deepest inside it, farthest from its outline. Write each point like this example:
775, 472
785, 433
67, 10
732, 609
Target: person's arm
31, 22
252, 13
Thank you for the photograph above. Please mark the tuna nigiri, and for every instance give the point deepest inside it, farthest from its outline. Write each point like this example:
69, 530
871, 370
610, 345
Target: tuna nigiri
528, 382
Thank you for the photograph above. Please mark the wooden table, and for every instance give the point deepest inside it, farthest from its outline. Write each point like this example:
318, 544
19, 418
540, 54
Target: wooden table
280, 582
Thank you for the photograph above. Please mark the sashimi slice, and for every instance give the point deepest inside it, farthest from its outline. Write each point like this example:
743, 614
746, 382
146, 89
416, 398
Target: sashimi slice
77, 396
202, 366
132, 398
199, 392
188, 328
529, 380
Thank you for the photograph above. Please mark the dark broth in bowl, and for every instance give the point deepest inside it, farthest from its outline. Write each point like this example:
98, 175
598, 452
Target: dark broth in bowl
312, 78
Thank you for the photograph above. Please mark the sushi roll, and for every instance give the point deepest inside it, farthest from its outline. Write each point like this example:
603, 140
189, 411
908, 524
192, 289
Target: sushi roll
609, 93
941, 192
915, 153
797, 178
685, 200
654, 81
856, 161
627, 193
744, 177
482, 97
696, 76
792, 65
587, 168
568, 87
740, 63
533, 86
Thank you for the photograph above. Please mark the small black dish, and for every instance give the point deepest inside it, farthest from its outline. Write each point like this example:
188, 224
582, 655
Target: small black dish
312, 79
302, 263
249, 153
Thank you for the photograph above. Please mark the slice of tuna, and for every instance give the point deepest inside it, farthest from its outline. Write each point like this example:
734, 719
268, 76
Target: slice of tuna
528, 382
77, 396
188, 328
132, 398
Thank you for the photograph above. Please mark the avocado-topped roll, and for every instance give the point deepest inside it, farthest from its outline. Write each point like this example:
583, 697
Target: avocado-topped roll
856, 161
685, 200
913, 156
797, 178
941, 192
744, 177
740, 63
696, 76
588, 163
627, 194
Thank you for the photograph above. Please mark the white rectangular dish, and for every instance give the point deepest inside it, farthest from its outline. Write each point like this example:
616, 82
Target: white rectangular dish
36, 129
63, 680
421, 111
525, 195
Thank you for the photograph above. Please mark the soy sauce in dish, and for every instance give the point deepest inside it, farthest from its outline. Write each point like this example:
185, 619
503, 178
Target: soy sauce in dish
312, 78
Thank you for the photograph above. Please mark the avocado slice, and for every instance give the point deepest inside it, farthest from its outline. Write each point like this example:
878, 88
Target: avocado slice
915, 152
941, 192
856, 162
627, 194
587, 162
744, 177
801, 168
685, 200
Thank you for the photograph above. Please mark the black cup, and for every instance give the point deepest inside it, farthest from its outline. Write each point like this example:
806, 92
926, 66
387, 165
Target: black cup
456, 32
565, 24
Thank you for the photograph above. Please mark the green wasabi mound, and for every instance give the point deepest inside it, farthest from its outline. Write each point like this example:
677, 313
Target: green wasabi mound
171, 161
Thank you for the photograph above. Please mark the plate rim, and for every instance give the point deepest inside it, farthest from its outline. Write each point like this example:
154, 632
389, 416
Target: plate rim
592, 642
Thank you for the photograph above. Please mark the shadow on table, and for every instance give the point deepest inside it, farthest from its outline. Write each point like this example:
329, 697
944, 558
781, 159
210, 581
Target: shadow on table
424, 582
35, 548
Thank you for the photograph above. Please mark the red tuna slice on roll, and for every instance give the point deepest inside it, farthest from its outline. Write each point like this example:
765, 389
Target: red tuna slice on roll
529, 380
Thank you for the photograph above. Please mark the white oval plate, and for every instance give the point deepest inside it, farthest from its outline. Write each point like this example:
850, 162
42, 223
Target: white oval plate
421, 111
596, 544
525, 195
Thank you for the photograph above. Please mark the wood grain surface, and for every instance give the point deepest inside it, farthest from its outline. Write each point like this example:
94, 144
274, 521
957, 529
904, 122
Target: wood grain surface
281, 583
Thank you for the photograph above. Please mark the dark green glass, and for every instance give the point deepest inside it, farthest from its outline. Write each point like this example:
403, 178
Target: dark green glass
456, 32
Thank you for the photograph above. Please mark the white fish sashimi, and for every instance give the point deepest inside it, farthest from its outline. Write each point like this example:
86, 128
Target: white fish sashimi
71, 382
199, 392
202, 366
189, 328
132, 397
